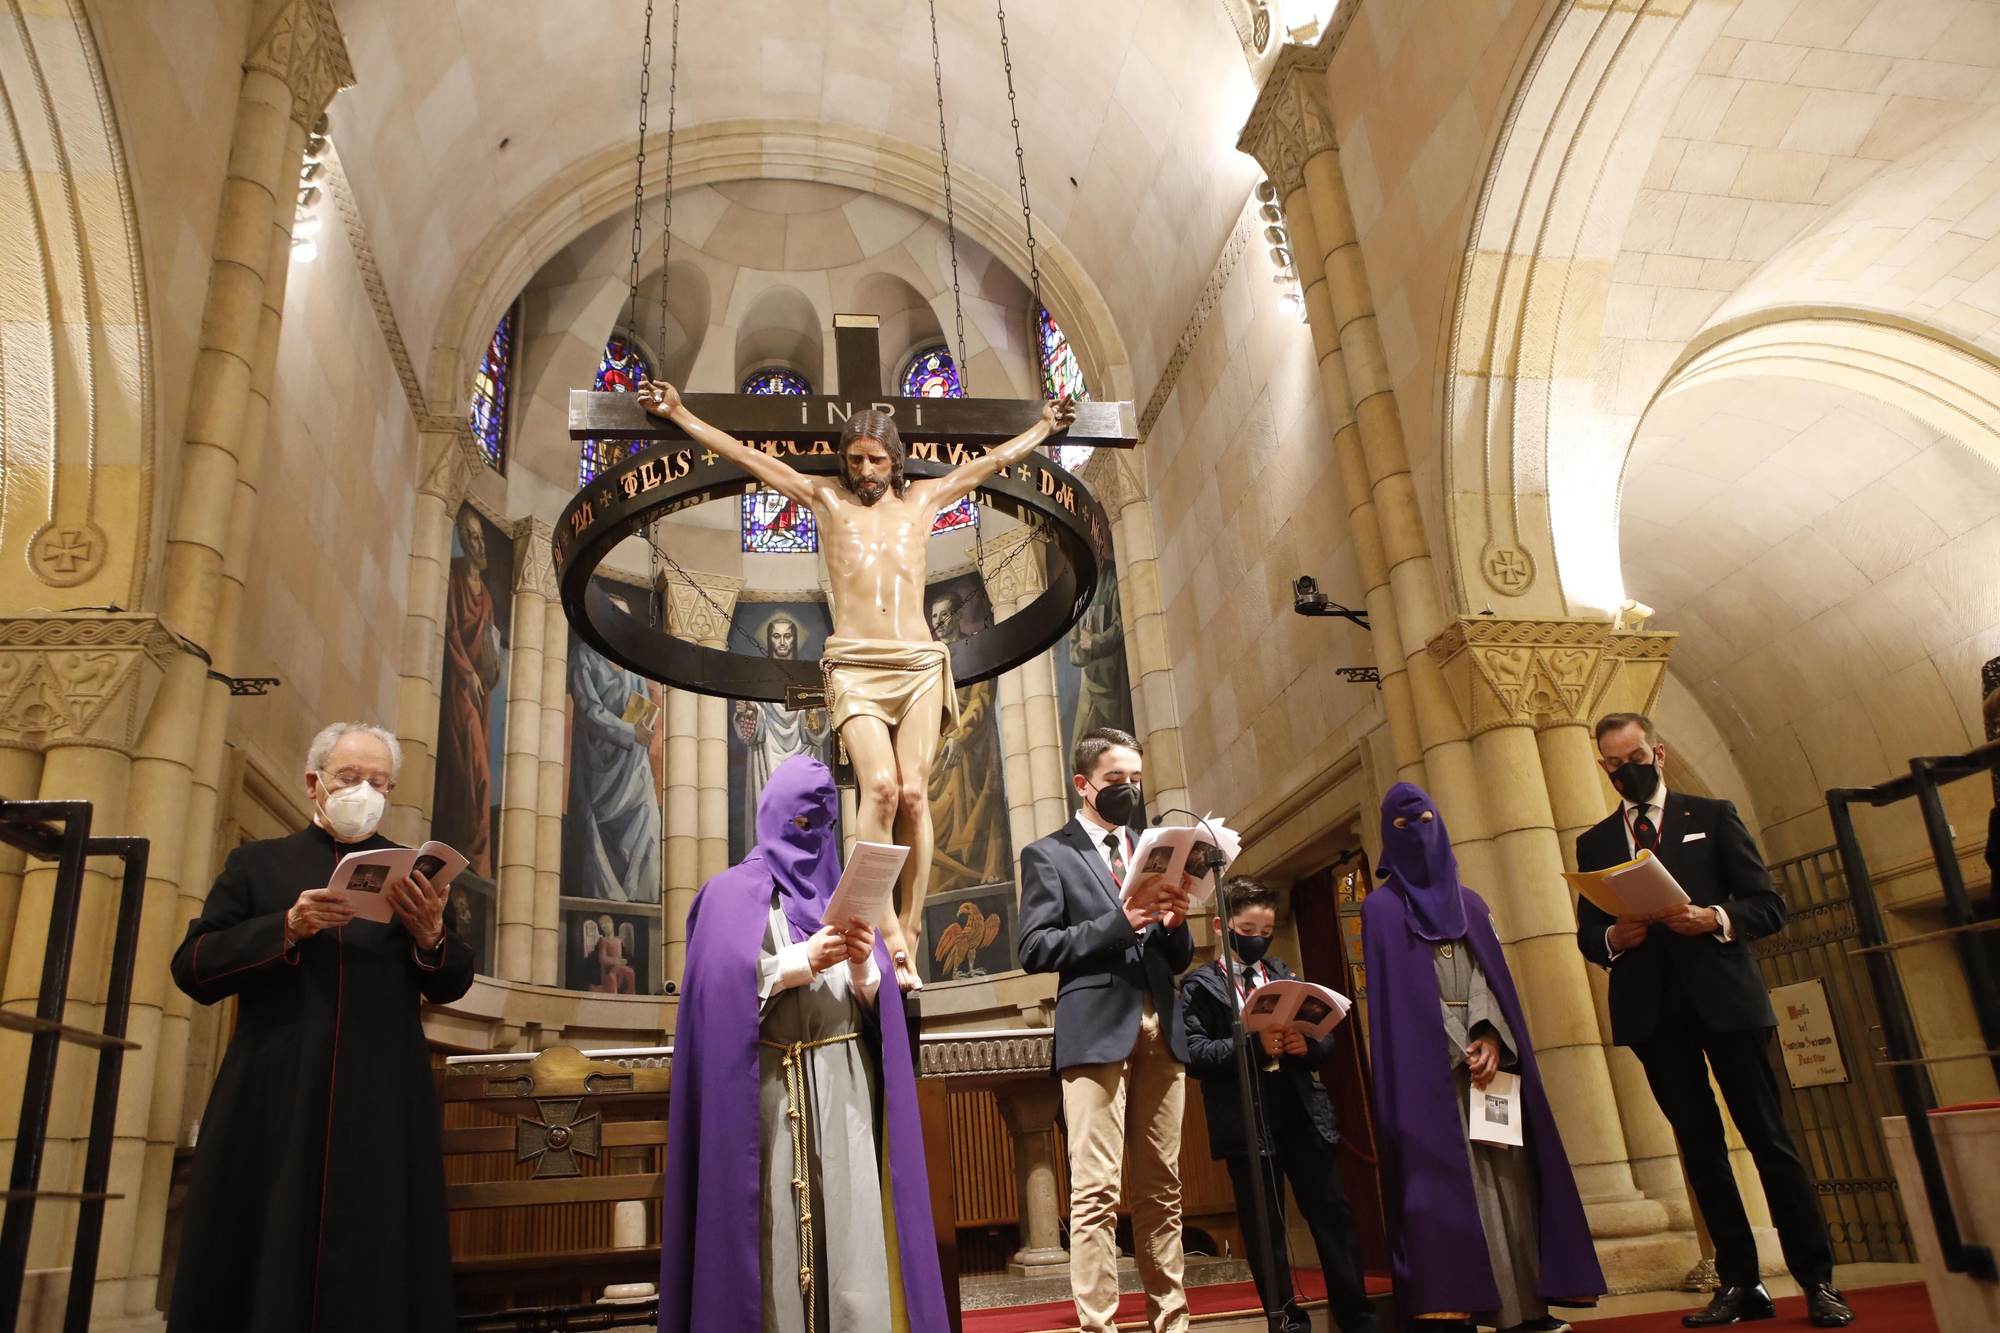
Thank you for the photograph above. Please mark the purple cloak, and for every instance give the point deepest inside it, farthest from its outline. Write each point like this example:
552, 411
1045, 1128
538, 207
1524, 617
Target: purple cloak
1427, 1190
710, 1247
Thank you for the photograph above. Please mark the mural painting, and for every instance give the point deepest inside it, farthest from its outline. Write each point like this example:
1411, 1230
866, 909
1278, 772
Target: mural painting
968, 793
764, 735
610, 952
969, 936
472, 690
612, 844
472, 720
1093, 688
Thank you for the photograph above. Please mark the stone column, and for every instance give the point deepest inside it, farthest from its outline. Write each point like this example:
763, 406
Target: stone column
83, 684
295, 64
1029, 1107
682, 823
549, 793
1290, 133
1579, 797
1116, 479
521, 777
1513, 681
699, 607
1013, 573
448, 460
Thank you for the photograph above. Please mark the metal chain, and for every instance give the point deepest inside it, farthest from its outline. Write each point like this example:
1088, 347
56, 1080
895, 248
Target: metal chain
950, 218
667, 224
1020, 163
639, 174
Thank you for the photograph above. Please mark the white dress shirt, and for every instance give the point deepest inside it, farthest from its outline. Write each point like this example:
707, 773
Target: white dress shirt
1655, 809
791, 966
1097, 833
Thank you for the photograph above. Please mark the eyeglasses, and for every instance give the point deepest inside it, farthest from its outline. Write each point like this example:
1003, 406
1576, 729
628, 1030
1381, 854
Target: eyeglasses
354, 777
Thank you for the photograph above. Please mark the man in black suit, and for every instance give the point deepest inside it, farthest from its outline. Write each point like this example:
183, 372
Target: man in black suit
1687, 997
1297, 1136
1119, 1048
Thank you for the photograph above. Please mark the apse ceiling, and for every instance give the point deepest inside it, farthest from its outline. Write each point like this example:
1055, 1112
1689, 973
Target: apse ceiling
1129, 112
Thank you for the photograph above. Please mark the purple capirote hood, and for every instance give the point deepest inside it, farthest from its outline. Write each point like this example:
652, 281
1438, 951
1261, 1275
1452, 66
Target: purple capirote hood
804, 862
1417, 862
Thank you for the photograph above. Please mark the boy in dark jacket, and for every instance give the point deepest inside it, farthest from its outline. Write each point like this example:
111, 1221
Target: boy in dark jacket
1298, 1138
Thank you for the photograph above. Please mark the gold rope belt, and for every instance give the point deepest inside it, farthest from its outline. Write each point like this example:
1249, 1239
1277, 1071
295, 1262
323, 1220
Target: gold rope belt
798, 1090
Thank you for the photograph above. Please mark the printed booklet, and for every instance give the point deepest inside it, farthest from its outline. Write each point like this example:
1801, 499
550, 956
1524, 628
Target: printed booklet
361, 877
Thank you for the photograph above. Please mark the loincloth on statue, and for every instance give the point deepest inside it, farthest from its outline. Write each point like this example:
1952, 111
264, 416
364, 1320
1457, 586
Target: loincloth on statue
884, 677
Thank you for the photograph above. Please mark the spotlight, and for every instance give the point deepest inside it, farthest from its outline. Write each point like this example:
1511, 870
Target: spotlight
304, 251
305, 227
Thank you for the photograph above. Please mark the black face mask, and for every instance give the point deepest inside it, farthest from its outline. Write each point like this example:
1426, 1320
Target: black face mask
1249, 948
1636, 782
1120, 803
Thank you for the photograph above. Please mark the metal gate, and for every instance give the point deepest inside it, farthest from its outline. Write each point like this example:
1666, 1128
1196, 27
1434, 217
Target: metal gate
1837, 1126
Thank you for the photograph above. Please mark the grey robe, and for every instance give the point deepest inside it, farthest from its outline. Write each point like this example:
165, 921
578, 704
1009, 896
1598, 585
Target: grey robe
1503, 1179
850, 1238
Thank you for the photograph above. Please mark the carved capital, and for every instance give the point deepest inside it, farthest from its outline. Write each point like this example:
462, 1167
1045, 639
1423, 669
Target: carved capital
449, 457
79, 679
1014, 568
1115, 478
1505, 672
1291, 125
699, 604
534, 562
302, 45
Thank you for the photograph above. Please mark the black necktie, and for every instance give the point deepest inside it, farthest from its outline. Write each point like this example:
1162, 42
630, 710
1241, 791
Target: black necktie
1115, 845
1644, 836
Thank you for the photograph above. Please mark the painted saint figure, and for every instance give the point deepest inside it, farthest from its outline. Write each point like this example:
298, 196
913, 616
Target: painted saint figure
795, 1195
771, 732
611, 845
472, 656
889, 685
968, 807
1443, 1019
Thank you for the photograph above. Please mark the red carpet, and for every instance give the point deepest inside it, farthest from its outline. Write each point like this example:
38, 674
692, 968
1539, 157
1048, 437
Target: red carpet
1903, 1308
1218, 1298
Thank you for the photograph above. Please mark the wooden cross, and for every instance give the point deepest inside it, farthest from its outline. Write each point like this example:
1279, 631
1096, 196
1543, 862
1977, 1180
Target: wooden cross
755, 418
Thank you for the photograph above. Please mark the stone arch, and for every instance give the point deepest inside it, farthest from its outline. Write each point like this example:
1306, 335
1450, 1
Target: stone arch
76, 391
1664, 169
781, 326
600, 186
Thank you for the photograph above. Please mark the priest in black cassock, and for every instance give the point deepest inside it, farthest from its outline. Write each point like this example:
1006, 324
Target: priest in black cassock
317, 1203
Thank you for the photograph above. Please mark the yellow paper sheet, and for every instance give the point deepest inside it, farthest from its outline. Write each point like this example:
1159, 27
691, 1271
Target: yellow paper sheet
1594, 885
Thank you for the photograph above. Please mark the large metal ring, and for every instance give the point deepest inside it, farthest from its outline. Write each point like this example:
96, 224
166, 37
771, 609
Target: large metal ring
676, 475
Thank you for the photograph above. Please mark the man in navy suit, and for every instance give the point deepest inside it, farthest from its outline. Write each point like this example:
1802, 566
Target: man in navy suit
1687, 997
1119, 1047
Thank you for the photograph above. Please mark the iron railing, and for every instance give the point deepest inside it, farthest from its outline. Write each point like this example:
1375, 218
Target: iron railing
1905, 1058
59, 831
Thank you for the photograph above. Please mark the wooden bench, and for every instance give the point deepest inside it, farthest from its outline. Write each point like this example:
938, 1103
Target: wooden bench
561, 1129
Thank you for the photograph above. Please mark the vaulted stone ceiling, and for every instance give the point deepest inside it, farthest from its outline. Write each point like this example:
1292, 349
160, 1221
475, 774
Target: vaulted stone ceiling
1128, 108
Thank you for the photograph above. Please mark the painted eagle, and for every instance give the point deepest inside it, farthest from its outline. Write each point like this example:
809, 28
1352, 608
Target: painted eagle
958, 946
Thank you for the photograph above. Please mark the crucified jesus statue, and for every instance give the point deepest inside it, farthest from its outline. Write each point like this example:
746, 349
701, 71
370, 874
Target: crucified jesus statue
888, 682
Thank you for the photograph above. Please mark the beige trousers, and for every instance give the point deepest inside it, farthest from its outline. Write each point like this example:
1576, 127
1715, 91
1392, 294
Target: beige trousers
1136, 1104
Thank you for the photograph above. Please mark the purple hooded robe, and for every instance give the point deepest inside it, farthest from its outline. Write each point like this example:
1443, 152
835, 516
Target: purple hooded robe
710, 1245
1427, 1189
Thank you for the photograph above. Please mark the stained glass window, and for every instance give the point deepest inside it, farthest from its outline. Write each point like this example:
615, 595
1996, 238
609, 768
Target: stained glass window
1062, 375
932, 374
774, 525
776, 379
961, 515
490, 384
620, 371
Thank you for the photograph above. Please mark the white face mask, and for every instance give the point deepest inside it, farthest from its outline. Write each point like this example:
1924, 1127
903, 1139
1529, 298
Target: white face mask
352, 812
